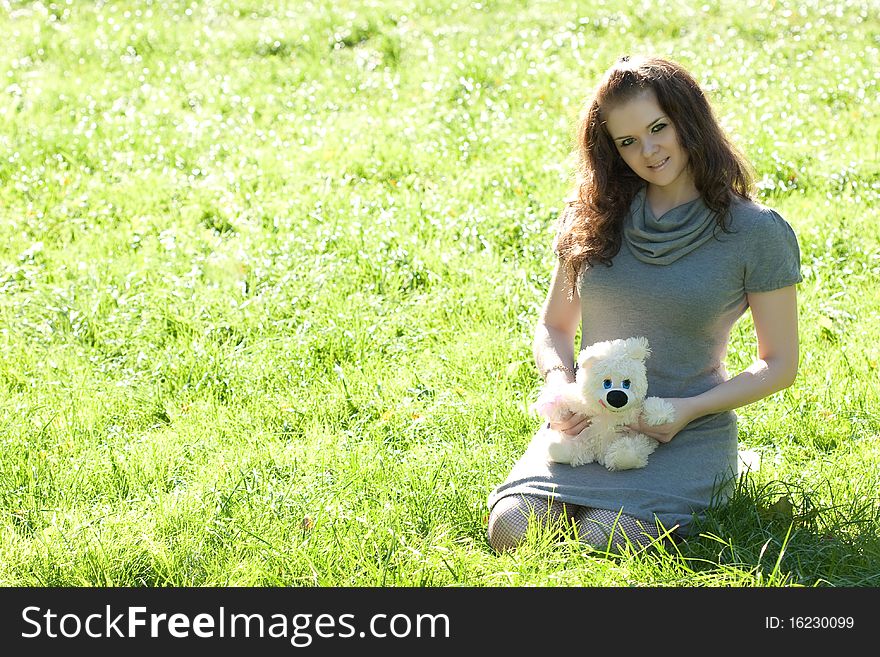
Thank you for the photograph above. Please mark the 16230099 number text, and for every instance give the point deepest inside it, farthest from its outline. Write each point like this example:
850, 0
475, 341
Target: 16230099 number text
821, 622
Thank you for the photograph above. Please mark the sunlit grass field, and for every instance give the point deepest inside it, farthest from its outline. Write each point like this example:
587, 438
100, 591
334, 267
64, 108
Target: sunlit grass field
270, 272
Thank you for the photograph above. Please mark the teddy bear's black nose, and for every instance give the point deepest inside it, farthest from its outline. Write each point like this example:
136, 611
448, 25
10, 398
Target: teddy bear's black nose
617, 398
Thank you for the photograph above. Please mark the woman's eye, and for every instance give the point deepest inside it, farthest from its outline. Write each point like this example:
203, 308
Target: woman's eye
626, 384
626, 142
658, 127
606, 384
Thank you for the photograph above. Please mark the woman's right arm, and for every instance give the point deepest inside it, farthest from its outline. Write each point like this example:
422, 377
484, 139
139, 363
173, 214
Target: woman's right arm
553, 345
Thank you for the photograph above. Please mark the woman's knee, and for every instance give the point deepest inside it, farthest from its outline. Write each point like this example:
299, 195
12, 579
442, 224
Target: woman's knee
606, 529
510, 517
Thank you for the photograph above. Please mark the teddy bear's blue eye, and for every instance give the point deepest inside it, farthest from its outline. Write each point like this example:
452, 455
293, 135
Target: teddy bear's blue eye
606, 384
626, 384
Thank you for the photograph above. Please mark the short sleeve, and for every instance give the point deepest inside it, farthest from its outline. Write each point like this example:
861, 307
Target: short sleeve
773, 257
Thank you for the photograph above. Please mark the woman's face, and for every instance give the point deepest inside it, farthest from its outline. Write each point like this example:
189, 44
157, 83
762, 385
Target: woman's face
647, 141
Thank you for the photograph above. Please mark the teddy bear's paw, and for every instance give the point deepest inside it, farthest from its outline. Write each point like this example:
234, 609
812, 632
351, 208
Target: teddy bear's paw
581, 458
624, 461
556, 401
629, 452
657, 411
560, 451
546, 442
546, 406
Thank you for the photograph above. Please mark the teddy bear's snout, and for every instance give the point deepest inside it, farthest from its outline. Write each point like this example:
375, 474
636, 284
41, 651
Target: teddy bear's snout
617, 398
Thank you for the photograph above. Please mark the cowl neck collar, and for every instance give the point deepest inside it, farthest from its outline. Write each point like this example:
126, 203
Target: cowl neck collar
663, 240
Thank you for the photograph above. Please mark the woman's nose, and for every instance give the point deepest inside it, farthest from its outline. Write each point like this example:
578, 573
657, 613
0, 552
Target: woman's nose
649, 147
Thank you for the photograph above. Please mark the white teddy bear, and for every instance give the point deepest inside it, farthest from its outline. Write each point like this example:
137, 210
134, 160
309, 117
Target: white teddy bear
611, 388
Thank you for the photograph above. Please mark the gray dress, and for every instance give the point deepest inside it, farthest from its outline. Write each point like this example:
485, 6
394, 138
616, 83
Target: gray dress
682, 283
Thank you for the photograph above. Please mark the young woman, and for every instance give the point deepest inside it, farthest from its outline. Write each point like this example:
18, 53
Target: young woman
661, 239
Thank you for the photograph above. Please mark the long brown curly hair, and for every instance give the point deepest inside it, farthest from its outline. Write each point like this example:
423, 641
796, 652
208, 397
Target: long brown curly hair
590, 227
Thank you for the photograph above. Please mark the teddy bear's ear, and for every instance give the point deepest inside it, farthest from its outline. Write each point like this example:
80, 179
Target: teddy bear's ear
591, 354
585, 358
638, 348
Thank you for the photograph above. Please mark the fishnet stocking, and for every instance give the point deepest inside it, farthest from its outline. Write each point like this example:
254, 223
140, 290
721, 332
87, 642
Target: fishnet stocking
613, 531
510, 517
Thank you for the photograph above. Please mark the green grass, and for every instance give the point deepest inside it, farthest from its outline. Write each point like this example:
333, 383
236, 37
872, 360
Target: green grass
270, 272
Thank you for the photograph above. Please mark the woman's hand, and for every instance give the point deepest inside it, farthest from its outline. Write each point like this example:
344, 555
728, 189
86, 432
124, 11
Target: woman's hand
685, 413
570, 424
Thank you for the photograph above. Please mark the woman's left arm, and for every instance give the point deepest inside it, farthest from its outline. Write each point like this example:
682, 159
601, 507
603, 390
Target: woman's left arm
775, 318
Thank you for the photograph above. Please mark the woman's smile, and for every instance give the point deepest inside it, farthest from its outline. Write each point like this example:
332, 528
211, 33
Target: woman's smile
659, 165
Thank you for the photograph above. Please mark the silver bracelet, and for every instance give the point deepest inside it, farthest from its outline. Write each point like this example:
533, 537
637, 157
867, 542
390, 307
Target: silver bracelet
560, 366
